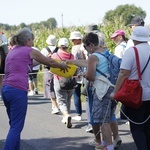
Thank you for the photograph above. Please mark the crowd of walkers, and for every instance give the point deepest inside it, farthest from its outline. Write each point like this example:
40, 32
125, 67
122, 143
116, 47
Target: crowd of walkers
23, 62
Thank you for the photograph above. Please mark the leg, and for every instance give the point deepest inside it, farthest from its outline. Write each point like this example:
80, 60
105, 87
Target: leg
16, 104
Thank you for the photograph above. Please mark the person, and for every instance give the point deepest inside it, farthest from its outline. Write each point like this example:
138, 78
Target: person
63, 97
15, 83
121, 41
114, 125
101, 107
135, 22
10, 44
138, 118
33, 86
76, 38
48, 77
4, 45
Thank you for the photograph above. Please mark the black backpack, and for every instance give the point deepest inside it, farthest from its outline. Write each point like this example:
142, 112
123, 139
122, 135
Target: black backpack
2, 59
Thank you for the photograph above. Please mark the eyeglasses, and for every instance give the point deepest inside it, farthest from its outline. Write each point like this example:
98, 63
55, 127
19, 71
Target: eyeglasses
85, 45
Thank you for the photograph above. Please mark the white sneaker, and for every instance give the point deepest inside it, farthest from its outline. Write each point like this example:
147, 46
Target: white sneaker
117, 142
77, 118
89, 128
55, 110
93, 143
31, 93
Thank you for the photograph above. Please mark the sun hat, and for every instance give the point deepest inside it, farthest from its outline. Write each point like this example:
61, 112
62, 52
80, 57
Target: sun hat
63, 42
75, 35
141, 34
137, 21
51, 40
117, 32
91, 28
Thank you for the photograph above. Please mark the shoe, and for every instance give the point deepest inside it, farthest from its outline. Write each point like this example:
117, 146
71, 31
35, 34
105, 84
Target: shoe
117, 142
93, 143
31, 93
55, 110
63, 120
77, 118
99, 147
89, 128
36, 91
68, 122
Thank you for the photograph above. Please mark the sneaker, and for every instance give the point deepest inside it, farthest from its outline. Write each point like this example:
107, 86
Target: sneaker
63, 120
89, 128
117, 142
99, 147
93, 143
55, 110
31, 93
77, 118
36, 91
68, 122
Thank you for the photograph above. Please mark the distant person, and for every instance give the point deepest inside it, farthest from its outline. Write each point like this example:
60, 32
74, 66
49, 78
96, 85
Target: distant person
33, 83
76, 38
19, 61
48, 81
121, 41
63, 96
139, 118
4, 52
135, 22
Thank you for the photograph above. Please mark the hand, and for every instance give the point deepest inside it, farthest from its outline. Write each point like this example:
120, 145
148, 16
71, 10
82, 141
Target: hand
64, 66
112, 96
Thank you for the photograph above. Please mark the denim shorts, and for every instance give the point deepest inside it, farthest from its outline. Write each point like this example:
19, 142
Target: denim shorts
101, 111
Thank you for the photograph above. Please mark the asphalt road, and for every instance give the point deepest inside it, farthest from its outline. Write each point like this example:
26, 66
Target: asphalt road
44, 131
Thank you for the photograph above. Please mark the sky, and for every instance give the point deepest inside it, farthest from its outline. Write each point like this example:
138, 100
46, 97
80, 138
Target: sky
66, 12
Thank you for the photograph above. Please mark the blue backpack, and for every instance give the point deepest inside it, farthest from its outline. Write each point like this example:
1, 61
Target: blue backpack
113, 66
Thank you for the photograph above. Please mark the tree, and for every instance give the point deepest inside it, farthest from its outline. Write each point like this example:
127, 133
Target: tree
126, 12
52, 23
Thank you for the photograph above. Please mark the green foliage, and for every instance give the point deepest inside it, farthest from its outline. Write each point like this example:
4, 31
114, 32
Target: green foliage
127, 12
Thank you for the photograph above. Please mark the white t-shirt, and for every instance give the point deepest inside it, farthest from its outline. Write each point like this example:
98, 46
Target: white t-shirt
129, 44
120, 49
129, 63
38, 66
45, 52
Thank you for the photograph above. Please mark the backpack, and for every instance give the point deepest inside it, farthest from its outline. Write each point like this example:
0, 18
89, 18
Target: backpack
2, 54
48, 49
67, 83
114, 63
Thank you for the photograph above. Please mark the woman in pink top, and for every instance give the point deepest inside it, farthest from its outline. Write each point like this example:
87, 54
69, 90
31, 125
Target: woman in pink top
63, 97
18, 62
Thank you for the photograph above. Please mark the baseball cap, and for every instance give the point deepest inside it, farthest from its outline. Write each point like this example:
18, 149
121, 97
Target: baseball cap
51, 40
75, 35
91, 28
117, 32
63, 42
137, 21
141, 34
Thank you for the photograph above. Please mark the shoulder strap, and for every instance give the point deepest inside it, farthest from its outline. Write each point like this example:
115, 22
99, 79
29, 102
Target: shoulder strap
48, 49
137, 62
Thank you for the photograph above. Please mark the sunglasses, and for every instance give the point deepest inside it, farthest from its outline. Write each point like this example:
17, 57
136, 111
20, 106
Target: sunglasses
85, 45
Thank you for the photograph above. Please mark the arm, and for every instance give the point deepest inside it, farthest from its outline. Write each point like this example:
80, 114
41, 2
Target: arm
79, 62
91, 69
39, 58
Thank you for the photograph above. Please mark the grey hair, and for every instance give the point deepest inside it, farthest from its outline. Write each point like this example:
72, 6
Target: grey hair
101, 39
22, 36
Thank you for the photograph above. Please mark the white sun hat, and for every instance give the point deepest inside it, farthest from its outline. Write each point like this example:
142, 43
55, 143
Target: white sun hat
51, 40
141, 34
75, 35
63, 42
